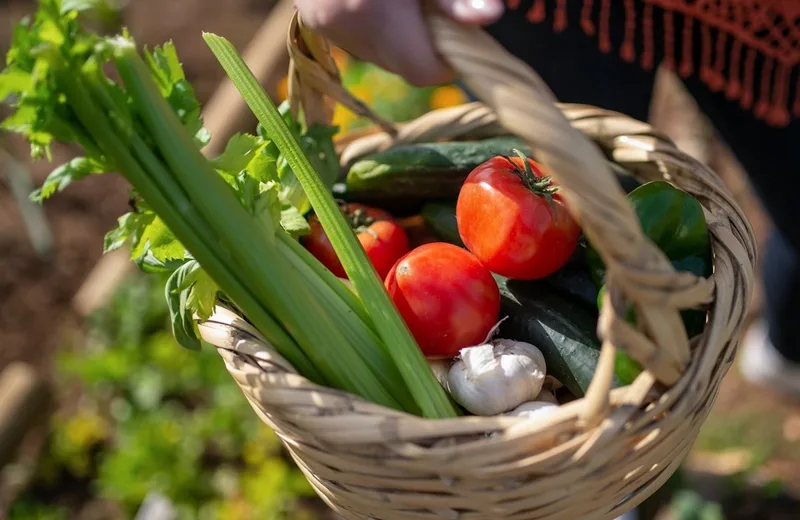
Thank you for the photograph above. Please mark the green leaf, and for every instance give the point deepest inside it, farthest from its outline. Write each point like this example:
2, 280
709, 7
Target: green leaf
168, 74
273, 200
130, 227
177, 294
263, 166
159, 240
292, 221
149, 238
13, 81
79, 5
238, 153
202, 295
64, 175
148, 263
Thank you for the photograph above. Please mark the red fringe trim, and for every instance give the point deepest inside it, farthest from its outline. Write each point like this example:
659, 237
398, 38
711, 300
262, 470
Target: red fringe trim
737, 81
687, 60
537, 13
628, 51
560, 23
734, 84
605, 26
586, 18
669, 40
648, 55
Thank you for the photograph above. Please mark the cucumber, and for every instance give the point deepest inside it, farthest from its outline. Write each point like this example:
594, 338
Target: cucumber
400, 180
572, 281
562, 330
424, 171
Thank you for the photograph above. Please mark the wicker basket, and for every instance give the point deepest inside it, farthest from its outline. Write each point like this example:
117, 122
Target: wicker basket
594, 458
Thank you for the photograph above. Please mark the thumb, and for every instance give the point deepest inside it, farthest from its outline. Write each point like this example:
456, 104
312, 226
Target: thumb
481, 12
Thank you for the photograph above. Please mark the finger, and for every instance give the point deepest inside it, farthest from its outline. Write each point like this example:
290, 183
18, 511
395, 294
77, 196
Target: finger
481, 12
407, 48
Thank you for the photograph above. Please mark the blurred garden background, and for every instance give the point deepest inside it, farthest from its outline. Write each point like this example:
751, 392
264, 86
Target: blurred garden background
132, 417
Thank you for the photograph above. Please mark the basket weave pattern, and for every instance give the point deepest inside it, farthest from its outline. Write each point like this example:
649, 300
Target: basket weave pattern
596, 457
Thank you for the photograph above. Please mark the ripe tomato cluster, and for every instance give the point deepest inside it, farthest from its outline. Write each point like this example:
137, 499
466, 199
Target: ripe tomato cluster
513, 222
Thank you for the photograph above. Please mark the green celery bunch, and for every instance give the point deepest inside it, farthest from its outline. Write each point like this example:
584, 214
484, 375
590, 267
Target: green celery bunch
225, 228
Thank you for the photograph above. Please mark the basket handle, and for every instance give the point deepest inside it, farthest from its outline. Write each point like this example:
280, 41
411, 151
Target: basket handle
637, 272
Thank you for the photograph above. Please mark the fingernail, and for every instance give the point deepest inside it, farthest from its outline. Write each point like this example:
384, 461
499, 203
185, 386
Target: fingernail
478, 11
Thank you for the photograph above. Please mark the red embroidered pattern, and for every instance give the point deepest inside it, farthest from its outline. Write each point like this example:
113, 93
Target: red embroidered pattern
769, 28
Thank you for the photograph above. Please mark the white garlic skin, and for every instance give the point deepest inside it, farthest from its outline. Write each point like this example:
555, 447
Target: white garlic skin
440, 369
534, 410
495, 377
547, 396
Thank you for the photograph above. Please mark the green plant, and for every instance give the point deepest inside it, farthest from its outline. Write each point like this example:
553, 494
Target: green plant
29, 510
157, 418
689, 505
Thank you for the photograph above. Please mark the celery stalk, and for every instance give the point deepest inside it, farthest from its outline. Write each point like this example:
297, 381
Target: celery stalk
364, 341
262, 265
422, 384
173, 214
344, 293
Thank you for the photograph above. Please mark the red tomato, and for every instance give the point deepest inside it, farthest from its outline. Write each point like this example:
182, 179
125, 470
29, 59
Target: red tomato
446, 297
382, 238
513, 221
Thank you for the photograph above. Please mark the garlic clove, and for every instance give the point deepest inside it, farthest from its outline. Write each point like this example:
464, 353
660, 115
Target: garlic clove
495, 377
534, 410
547, 396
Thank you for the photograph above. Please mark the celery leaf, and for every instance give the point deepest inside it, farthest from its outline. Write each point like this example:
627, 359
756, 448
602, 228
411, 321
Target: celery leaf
73, 170
169, 76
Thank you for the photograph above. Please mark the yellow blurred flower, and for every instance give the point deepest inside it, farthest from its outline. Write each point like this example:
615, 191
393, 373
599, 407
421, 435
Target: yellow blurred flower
85, 429
283, 88
234, 509
341, 58
343, 118
363, 92
447, 96
253, 453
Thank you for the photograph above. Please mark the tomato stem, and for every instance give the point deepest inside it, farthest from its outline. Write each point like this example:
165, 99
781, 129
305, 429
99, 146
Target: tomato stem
359, 219
541, 186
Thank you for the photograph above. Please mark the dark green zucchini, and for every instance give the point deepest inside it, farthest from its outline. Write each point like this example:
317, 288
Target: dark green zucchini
563, 331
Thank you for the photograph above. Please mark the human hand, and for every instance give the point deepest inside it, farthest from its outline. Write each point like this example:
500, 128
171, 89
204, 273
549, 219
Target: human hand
392, 33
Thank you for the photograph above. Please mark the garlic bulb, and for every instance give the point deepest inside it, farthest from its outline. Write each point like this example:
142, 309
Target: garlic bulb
546, 396
534, 410
495, 377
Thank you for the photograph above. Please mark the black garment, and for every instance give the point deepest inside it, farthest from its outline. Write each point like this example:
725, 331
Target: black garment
578, 72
